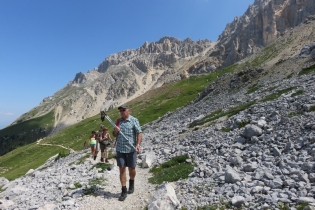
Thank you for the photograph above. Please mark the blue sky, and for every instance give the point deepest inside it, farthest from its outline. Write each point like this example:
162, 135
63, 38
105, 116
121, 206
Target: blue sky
43, 43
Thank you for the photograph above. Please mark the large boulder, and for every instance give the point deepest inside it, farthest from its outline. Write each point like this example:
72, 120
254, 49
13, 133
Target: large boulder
3, 181
148, 159
232, 176
252, 130
164, 198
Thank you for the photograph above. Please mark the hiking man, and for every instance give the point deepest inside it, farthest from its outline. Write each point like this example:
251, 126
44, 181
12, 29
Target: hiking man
127, 148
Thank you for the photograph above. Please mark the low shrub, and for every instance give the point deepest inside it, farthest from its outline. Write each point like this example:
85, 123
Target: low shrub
299, 92
253, 89
93, 189
283, 206
77, 185
277, 94
172, 170
307, 70
103, 166
218, 113
61, 155
243, 124
225, 129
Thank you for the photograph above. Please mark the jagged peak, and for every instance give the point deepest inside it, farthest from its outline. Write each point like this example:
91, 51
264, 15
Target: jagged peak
172, 39
79, 78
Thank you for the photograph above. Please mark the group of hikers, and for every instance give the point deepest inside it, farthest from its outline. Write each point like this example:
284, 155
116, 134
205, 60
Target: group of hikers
100, 140
128, 137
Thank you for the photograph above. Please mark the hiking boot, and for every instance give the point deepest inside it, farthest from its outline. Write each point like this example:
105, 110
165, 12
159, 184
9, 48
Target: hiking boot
123, 195
131, 186
106, 160
102, 160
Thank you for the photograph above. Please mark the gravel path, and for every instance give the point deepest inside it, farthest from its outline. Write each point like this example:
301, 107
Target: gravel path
108, 198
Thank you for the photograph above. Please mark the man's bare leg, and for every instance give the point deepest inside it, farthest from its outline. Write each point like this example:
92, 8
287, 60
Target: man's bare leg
122, 176
132, 175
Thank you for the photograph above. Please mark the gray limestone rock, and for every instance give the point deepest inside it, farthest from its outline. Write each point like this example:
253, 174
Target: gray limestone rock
305, 200
164, 198
231, 176
3, 181
250, 167
252, 130
237, 201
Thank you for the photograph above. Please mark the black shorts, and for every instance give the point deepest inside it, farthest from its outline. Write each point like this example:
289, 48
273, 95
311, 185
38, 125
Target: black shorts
126, 159
103, 147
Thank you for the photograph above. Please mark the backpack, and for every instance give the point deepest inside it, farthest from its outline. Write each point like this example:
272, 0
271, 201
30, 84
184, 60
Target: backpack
117, 124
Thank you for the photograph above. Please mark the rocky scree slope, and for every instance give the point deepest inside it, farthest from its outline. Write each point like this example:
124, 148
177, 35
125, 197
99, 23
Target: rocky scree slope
259, 158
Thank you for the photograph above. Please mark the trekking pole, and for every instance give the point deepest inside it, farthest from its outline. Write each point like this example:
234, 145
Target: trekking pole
113, 124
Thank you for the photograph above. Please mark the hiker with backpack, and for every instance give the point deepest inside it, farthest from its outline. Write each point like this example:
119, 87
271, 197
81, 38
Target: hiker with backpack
128, 140
104, 144
98, 136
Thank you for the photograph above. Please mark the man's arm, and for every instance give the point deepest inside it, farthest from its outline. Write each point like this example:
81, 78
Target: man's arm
139, 138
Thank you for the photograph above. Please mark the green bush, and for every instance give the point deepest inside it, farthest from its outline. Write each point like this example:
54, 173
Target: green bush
277, 94
243, 124
171, 171
92, 190
77, 185
225, 129
207, 118
307, 70
283, 206
293, 114
301, 206
103, 166
299, 92
217, 114
253, 89
82, 159
221, 206
61, 155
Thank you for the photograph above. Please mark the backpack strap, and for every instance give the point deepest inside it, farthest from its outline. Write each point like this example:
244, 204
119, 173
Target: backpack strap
117, 122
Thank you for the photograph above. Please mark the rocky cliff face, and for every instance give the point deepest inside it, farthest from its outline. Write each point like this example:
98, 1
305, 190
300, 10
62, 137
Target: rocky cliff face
262, 23
159, 54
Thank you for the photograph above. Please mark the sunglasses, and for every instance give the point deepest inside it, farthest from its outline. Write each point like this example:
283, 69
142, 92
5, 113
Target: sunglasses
122, 110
